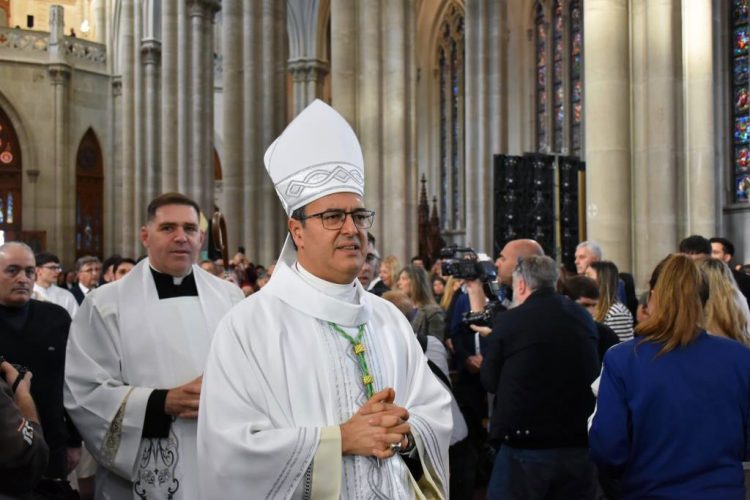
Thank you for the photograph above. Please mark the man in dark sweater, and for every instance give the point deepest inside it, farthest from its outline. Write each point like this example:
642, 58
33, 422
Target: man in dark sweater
540, 362
34, 334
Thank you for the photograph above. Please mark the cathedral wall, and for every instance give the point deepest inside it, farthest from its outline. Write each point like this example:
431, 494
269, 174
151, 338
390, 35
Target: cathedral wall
28, 92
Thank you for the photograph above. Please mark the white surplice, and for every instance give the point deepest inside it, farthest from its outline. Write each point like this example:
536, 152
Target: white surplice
124, 342
56, 295
280, 380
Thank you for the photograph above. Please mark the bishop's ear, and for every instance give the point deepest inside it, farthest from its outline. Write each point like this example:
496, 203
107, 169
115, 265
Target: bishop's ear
295, 229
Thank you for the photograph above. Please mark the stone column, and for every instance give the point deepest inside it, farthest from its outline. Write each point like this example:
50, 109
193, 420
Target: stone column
100, 21
127, 151
399, 205
486, 114
232, 120
139, 119
183, 99
151, 55
208, 185
197, 12
59, 74
606, 45
343, 58
252, 152
113, 200
169, 119
697, 74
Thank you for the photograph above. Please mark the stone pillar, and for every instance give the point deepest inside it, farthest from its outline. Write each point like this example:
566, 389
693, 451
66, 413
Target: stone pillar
208, 185
252, 152
343, 58
697, 75
485, 116
169, 96
139, 120
150, 56
197, 12
127, 151
399, 205
59, 74
607, 74
183, 99
113, 199
232, 120
100, 21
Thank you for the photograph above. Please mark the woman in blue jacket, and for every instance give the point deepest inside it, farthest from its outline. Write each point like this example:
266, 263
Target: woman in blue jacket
672, 418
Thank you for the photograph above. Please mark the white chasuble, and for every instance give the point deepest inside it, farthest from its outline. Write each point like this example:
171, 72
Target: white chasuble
124, 343
280, 380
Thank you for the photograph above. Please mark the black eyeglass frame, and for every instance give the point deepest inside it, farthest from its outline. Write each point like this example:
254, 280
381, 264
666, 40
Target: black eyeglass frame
360, 211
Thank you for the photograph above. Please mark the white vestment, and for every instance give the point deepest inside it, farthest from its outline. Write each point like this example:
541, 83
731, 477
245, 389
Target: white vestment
280, 380
56, 295
124, 343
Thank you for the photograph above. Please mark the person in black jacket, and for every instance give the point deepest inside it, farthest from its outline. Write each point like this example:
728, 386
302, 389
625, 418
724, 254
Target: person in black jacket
23, 452
34, 334
540, 363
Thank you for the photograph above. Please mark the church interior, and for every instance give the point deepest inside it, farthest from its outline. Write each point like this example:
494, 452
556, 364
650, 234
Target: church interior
635, 111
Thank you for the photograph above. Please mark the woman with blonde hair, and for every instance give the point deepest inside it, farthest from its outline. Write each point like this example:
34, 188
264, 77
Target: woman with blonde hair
610, 310
726, 310
671, 419
430, 317
389, 271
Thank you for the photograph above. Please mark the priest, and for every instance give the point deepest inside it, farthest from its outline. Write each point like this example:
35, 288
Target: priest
315, 388
135, 356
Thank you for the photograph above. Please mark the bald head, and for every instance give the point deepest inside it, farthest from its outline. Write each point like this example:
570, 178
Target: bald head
509, 257
14, 247
17, 272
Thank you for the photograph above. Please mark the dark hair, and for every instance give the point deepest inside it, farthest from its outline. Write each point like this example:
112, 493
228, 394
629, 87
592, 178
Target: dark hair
125, 260
170, 199
728, 246
695, 244
417, 257
241, 250
45, 258
112, 260
299, 214
631, 301
576, 287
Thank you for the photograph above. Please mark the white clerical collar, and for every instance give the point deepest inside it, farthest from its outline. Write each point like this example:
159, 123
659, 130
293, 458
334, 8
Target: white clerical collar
346, 293
84, 289
177, 280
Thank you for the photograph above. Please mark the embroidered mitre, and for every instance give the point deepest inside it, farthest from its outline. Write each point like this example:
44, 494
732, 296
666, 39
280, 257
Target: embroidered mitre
317, 154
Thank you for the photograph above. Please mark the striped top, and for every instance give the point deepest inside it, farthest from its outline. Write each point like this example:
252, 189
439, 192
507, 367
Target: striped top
619, 319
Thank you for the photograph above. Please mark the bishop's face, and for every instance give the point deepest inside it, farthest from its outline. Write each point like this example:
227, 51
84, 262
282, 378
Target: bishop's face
335, 255
173, 239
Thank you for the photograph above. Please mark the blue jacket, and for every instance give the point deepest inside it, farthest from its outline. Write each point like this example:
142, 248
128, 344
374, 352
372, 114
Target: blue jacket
675, 425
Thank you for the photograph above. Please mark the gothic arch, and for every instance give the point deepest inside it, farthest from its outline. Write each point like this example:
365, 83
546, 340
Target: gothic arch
11, 176
89, 196
431, 17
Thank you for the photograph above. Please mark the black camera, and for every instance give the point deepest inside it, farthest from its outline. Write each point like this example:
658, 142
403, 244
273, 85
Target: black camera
462, 263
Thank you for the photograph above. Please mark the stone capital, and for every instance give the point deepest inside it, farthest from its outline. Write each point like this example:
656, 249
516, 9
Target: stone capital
308, 70
117, 86
150, 51
203, 8
59, 74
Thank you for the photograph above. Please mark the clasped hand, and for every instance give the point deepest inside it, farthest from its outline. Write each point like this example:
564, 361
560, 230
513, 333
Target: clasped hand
183, 401
375, 427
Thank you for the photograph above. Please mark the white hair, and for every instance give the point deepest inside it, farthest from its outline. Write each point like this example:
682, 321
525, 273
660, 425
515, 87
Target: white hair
592, 247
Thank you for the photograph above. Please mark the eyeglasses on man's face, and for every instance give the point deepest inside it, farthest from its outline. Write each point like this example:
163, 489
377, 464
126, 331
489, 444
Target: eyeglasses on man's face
334, 219
52, 267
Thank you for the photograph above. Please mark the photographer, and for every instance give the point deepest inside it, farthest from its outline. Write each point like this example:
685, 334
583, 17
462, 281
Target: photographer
23, 452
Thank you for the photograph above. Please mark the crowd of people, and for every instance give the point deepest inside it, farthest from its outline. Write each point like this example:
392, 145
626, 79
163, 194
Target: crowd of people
170, 377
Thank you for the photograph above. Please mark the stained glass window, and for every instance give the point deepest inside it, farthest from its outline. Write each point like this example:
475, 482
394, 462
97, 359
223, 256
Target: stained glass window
740, 100
559, 76
10, 175
542, 143
450, 59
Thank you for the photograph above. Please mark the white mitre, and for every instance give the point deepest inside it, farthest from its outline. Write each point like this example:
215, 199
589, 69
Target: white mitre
316, 155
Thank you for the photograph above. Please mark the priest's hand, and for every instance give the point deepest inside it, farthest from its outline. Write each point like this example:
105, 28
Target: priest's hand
182, 401
377, 425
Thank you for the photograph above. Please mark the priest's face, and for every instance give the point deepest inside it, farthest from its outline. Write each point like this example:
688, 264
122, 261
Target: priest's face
17, 271
173, 239
335, 255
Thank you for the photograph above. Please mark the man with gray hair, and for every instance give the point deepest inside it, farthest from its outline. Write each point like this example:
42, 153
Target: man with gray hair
88, 268
540, 362
586, 253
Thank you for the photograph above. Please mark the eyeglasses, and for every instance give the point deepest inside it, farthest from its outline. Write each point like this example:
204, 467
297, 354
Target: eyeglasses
90, 270
334, 219
12, 271
52, 267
